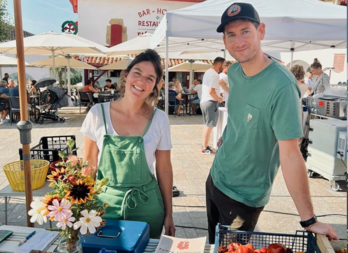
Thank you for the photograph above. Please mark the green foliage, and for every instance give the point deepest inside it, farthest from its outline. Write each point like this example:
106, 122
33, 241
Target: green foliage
5, 22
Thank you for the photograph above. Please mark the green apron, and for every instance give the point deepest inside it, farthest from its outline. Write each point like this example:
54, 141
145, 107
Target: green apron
132, 191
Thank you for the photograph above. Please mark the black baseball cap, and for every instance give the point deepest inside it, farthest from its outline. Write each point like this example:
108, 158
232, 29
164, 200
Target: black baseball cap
238, 11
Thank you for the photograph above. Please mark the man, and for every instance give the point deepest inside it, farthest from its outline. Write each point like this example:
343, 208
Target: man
261, 133
109, 86
309, 82
4, 105
6, 77
172, 88
209, 101
196, 89
224, 82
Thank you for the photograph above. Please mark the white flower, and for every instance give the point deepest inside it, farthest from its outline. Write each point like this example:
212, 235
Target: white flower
36, 213
66, 222
89, 221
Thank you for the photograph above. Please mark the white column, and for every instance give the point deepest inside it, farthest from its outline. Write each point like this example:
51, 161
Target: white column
166, 77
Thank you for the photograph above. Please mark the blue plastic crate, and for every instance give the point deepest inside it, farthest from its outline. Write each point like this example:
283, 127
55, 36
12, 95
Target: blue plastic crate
301, 241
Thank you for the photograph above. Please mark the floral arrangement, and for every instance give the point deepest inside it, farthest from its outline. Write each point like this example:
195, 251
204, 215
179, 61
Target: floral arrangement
72, 202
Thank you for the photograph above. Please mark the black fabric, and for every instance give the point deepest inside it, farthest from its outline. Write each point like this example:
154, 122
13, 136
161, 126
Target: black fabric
238, 11
224, 210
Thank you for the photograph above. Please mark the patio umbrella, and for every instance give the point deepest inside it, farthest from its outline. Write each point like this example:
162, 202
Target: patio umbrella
120, 65
54, 44
197, 66
191, 66
6, 61
44, 82
134, 46
60, 61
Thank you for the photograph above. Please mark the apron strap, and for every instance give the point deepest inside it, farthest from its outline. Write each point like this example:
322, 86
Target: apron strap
102, 107
149, 123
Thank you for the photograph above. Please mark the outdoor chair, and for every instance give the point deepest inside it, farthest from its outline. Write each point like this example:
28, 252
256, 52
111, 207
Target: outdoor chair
14, 107
172, 103
102, 98
85, 98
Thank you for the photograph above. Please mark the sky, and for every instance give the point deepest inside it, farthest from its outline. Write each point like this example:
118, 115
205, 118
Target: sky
40, 16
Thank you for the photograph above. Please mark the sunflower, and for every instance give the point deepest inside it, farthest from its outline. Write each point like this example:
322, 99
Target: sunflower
58, 174
48, 202
80, 192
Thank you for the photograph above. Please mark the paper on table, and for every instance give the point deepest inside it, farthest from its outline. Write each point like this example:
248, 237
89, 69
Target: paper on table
40, 241
180, 245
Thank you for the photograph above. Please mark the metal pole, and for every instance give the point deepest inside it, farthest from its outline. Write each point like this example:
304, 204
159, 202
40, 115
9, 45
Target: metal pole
24, 126
68, 65
191, 72
167, 77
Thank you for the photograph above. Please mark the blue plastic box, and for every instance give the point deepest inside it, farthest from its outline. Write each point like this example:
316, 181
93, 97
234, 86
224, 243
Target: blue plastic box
120, 235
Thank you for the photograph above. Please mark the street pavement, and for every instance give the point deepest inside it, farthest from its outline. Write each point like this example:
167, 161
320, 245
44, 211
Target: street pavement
190, 170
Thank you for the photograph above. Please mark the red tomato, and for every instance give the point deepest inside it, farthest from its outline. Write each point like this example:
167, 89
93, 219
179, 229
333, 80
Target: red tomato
244, 249
250, 246
257, 251
263, 250
222, 249
276, 248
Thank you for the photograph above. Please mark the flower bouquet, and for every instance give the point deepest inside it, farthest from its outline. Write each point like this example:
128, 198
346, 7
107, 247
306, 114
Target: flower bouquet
72, 203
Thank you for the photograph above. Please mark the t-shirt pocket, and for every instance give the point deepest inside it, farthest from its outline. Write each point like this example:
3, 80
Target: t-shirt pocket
251, 117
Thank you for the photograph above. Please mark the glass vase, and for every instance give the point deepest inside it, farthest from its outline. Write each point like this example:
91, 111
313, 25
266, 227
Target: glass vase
70, 244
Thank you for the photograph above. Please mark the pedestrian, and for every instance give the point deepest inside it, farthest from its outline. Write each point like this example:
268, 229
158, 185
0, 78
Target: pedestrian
195, 101
6, 77
309, 81
261, 134
209, 102
322, 79
123, 139
224, 83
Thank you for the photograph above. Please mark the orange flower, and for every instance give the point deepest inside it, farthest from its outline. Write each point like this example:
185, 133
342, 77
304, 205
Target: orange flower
58, 174
80, 192
48, 201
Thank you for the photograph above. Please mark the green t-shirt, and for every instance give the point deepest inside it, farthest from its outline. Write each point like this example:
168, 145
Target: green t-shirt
262, 109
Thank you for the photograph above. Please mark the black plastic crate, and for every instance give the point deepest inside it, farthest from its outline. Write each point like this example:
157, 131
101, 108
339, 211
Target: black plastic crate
49, 148
301, 241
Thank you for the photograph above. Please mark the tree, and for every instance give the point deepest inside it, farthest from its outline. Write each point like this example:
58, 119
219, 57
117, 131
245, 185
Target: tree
5, 21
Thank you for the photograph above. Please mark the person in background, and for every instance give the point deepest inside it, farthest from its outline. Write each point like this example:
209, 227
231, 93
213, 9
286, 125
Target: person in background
177, 84
32, 89
4, 105
261, 135
322, 79
108, 85
298, 72
6, 77
132, 123
196, 89
309, 81
224, 82
172, 88
209, 102
122, 83
89, 87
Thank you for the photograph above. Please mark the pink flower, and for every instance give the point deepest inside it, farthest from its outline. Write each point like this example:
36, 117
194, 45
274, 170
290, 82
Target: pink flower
89, 171
59, 210
66, 222
73, 160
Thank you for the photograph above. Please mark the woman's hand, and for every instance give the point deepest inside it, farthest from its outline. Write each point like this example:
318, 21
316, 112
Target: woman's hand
169, 227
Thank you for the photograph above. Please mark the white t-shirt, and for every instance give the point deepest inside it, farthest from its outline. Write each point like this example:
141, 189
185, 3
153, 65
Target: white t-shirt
156, 138
309, 82
210, 80
198, 89
224, 77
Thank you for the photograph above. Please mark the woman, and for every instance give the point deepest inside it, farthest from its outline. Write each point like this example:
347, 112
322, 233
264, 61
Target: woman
124, 138
32, 89
322, 81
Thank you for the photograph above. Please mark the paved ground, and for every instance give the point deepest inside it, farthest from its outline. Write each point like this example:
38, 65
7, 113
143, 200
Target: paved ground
190, 172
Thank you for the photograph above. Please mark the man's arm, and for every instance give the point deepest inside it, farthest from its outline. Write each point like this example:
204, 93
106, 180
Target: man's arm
295, 176
212, 93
